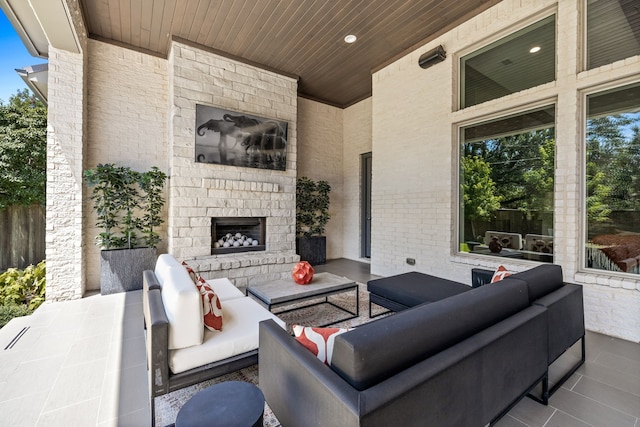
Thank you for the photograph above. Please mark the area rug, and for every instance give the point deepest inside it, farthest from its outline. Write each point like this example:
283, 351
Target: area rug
167, 406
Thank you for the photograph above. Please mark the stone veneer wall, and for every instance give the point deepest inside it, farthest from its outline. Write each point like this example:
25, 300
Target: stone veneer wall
415, 158
65, 149
199, 191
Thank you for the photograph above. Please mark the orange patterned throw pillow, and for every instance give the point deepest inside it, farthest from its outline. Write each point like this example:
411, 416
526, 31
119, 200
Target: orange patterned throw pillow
318, 340
500, 273
302, 273
211, 307
192, 273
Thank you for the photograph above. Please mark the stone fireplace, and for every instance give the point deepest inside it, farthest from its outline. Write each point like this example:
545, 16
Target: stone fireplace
199, 192
232, 235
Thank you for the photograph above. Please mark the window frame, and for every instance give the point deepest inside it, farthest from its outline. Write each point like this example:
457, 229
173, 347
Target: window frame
457, 132
497, 36
583, 234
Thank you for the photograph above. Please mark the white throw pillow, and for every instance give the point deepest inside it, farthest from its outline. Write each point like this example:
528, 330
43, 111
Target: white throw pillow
183, 305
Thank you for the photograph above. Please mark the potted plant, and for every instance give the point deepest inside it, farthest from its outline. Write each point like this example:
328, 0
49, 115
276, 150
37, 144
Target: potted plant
312, 215
129, 206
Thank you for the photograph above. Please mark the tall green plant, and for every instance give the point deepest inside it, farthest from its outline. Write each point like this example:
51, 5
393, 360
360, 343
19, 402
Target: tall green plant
312, 207
151, 183
128, 203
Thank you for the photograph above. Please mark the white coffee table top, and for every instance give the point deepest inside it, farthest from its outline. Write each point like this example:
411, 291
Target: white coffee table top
282, 291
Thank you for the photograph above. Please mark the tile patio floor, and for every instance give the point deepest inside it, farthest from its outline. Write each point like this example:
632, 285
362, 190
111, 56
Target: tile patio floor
82, 363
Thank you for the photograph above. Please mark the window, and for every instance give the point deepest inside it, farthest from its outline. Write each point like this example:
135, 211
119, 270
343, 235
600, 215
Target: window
520, 61
613, 29
613, 180
507, 186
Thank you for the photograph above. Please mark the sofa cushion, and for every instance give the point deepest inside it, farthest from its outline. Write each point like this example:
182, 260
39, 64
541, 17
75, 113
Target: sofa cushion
240, 335
211, 307
414, 288
224, 289
183, 306
541, 280
378, 350
164, 262
319, 341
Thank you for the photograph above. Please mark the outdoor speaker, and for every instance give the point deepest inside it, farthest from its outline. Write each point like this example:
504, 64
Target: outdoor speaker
432, 57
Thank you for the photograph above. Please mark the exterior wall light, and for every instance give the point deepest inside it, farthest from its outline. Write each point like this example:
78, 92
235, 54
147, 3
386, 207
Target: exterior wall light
432, 57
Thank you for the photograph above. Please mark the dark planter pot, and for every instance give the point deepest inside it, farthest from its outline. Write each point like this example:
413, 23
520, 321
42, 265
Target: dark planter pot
121, 269
312, 249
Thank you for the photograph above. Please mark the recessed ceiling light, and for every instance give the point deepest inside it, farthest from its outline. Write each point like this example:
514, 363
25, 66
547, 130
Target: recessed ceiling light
350, 38
534, 49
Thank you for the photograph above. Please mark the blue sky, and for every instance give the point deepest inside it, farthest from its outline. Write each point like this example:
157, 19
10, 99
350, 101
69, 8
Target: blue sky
13, 55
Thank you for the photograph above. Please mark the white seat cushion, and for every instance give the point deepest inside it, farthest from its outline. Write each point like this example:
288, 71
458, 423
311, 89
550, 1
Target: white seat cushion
224, 289
183, 304
239, 335
164, 262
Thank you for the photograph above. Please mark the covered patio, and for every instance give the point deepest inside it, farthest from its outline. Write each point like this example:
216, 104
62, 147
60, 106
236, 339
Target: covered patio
126, 80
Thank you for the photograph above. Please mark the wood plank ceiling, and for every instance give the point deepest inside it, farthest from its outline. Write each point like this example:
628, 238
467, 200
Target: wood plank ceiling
299, 37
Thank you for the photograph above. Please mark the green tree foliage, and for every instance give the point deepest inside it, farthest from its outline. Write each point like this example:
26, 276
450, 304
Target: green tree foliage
23, 146
479, 190
522, 168
613, 165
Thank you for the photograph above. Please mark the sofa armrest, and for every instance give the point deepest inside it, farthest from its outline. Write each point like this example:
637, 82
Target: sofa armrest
297, 386
566, 318
157, 343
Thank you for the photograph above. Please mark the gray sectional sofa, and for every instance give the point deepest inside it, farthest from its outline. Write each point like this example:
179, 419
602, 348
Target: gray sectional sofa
464, 360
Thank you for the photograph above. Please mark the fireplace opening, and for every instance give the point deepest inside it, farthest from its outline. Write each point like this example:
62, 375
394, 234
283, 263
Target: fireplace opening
237, 234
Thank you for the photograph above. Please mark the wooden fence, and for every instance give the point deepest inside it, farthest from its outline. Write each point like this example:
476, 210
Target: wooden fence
22, 236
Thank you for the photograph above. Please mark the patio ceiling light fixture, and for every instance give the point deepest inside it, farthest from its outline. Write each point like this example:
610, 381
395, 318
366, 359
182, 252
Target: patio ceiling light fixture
350, 38
534, 49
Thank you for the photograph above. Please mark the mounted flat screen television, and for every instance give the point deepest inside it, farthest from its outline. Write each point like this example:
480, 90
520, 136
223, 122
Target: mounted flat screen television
238, 139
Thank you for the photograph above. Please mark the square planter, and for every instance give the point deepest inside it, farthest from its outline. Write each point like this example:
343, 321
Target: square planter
312, 249
121, 269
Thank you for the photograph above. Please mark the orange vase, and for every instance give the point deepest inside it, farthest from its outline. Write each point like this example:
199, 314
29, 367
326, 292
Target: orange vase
302, 273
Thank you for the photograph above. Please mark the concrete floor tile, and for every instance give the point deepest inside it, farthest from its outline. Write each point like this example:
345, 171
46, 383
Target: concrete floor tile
610, 396
31, 378
23, 411
79, 414
589, 411
124, 393
88, 349
76, 384
561, 419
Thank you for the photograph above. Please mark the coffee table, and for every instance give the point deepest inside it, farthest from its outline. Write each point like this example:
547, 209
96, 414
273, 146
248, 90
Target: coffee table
286, 292
227, 404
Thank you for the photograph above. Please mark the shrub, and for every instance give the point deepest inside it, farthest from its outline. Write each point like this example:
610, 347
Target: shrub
8, 312
23, 287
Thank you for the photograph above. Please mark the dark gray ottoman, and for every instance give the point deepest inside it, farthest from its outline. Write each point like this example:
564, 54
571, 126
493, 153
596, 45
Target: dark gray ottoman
227, 404
407, 290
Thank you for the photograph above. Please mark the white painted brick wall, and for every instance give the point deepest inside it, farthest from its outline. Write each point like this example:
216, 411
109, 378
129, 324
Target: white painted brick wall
200, 191
320, 127
356, 141
415, 159
127, 124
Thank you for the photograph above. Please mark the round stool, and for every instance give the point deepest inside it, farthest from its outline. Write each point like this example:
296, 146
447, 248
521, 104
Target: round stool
228, 404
